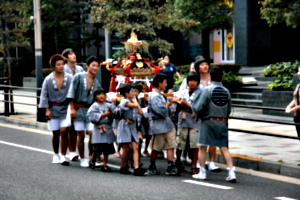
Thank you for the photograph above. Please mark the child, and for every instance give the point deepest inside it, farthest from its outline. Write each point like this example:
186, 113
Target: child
187, 127
54, 99
101, 115
163, 130
127, 132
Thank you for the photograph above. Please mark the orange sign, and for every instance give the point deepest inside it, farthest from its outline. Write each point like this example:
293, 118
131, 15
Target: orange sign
229, 40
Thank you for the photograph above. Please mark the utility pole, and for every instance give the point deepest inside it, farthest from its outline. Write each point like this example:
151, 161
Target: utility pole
38, 55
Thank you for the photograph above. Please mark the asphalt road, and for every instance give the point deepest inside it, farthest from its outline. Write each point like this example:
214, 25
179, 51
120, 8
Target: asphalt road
26, 172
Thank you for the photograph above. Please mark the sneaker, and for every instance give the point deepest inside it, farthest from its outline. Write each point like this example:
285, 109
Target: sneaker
131, 168
231, 175
84, 162
73, 156
172, 171
180, 167
105, 168
63, 161
213, 168
201, 175
139, 171
124, 170
92, 165
55, 159
152, 170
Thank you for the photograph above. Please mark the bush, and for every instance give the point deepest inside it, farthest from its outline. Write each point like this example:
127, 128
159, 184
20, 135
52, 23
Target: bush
235, 68
283, 71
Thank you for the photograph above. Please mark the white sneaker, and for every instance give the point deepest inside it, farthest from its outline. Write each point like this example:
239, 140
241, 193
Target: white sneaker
73, 156
213, 168
201, 175
231, 175
63, 161
55, 159
84, 162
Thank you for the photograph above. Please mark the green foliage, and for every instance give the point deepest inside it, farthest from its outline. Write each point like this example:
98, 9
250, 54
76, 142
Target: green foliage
212, 14
230, 77
280, 161
283, 71
281, 11
145, 17
46, 72
235, 68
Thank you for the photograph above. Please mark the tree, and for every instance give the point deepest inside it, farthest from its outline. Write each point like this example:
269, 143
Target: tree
212, 14
12, 33
281, 11
145, 17
60, 19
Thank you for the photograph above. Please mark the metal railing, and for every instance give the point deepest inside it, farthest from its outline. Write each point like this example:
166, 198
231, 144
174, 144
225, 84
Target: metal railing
7, 102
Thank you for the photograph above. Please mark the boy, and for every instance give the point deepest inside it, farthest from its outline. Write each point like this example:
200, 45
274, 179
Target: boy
101, 115
54, 99
81, 97
187, 127
213, 107
71, 68
163, 130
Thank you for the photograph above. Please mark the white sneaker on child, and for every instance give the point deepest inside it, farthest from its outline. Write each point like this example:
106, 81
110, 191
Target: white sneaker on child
73, 156
231, 175
201, 175
84, 162
55, 159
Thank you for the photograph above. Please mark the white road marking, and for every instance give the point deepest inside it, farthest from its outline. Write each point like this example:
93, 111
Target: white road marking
284, 198
208, 184
26, 147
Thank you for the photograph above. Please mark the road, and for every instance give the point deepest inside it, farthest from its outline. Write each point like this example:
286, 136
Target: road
26, 172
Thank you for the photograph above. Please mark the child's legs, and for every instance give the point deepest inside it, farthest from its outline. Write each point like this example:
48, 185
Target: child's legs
170, 144
135, 148
193, 146
227, 156
181, 138
124, 154
105, 159
194, 153
90, 146
202, 155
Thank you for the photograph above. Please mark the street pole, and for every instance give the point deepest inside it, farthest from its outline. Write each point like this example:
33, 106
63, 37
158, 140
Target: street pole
38, 54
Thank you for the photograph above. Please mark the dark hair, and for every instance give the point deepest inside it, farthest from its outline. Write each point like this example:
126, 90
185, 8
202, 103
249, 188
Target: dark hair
198, 62
125, 88
193, 76
55, 58
137, 86
98, 91
159, 78
66, 52
91, 59
216, 73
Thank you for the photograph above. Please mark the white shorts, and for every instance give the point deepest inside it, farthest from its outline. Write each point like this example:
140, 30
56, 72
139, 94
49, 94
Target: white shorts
81, 126
56, 124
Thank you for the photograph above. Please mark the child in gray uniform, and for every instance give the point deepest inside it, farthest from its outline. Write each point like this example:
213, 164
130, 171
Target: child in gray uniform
101, 115
54, 99
127, 132
163, 129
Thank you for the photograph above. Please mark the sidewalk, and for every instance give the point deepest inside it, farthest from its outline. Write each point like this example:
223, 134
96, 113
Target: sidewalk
250, 151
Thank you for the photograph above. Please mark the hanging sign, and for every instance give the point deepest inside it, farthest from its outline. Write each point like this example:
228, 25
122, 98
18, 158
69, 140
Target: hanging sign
229, 40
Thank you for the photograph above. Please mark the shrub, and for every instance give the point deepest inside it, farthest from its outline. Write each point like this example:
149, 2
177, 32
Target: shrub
283, 71
46, 72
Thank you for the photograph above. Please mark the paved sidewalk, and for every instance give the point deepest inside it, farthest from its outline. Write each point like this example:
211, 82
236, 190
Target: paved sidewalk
250, 151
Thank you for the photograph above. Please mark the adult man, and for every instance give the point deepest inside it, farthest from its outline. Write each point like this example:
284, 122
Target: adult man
81, 98
54, 99
214, 107
71, 68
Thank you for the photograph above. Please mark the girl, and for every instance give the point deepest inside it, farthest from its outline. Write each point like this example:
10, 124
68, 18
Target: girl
101, 115
127, 132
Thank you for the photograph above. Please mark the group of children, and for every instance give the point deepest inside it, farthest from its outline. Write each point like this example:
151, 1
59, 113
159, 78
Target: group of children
77, 100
